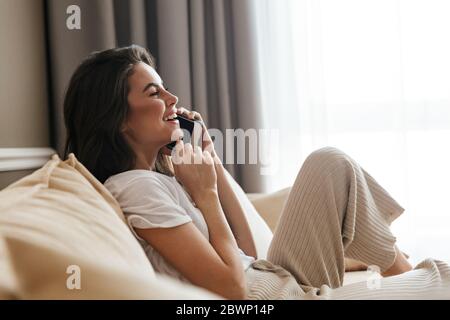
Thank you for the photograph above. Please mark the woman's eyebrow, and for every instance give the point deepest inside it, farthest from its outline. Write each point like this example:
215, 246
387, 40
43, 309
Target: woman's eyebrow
152, 84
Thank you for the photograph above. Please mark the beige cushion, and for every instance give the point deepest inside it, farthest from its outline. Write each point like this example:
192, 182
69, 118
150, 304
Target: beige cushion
270, 205
43, 274
8, 283
262, 235
61, 216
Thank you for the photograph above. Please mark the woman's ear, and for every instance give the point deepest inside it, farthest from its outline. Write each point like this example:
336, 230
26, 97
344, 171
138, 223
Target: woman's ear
124, 128
127, 133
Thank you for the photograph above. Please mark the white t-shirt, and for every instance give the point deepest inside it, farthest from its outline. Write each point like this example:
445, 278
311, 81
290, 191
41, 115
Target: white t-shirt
153, 200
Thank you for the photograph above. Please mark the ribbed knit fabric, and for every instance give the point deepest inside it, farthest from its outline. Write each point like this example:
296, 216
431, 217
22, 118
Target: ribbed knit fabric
336, 209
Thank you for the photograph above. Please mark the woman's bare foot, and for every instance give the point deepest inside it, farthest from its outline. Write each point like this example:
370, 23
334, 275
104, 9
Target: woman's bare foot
401, 265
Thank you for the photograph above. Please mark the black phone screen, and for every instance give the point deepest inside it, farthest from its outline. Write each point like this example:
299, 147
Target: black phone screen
185, 124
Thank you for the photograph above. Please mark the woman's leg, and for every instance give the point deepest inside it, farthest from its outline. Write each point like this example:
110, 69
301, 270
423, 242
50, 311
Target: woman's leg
400, 265
334, 209
429, 280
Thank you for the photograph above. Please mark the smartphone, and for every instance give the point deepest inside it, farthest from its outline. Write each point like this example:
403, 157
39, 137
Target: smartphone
188, 125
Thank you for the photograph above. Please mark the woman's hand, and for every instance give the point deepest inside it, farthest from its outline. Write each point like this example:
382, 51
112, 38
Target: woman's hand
207, 143
194, 169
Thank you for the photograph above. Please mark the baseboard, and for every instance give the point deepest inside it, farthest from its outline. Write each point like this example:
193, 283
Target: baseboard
14, 159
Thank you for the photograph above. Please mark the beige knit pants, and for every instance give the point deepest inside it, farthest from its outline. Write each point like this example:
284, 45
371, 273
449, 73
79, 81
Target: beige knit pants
336, 209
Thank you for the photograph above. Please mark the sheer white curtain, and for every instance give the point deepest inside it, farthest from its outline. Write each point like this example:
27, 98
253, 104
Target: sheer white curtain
371, 77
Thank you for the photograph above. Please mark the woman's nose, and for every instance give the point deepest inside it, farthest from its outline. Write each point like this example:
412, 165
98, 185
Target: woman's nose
172, 99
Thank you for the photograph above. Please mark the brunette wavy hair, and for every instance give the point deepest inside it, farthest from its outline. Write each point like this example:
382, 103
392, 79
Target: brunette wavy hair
96, 106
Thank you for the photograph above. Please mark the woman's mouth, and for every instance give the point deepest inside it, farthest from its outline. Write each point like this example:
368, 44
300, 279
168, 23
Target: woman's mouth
172, 119
173, 122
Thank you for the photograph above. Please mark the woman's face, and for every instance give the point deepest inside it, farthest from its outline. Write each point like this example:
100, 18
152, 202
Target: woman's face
149, 104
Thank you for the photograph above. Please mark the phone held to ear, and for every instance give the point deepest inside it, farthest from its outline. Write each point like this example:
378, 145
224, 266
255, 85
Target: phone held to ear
185, 124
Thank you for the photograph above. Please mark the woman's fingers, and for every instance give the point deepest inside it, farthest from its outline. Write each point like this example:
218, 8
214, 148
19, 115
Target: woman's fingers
194, 115
180, 146
207, 157
178, 152
181, 110
188, 154
198, 155
185, 112
197, 115
198, 151
184, 153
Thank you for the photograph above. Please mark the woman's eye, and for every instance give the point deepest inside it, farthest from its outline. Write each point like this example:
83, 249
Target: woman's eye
158, 92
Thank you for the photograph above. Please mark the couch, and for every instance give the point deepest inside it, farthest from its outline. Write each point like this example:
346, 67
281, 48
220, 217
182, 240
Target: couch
63, 236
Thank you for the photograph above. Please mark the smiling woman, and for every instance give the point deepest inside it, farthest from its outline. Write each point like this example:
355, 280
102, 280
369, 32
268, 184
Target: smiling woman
119, 121
107, 89
150, 104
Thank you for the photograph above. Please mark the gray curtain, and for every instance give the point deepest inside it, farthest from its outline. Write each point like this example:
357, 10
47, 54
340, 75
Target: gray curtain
205, 52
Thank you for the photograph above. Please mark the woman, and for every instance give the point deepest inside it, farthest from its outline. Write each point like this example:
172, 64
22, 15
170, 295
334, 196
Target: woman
183, 210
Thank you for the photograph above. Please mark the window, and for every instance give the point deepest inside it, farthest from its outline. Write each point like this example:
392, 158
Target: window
370, 77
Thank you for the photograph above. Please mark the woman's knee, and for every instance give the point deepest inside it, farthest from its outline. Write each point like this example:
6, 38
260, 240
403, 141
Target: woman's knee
326, 163
327, 155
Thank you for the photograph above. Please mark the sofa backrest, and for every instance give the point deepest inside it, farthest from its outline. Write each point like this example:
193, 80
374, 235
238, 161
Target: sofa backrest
63, 236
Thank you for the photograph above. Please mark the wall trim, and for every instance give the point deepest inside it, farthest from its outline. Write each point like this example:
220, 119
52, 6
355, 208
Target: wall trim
16, 159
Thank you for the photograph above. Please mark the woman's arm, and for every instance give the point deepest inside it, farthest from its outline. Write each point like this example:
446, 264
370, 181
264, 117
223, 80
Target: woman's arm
214, 265
234, 213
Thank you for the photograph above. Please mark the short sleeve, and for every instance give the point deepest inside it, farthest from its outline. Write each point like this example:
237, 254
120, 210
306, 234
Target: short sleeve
149, 203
